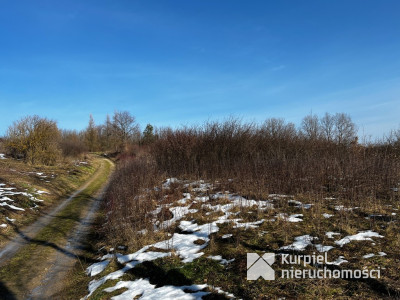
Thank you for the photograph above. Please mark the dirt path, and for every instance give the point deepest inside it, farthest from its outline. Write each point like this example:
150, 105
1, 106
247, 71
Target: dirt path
35, 262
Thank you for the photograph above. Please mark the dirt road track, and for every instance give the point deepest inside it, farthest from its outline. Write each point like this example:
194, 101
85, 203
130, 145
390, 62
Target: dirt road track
58, 264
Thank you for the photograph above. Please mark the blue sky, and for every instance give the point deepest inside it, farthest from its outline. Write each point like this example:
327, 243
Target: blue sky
183, 62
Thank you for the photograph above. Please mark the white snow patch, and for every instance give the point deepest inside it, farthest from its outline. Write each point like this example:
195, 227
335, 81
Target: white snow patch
2, 156
97, 268
369, 255
184, 244
292, 218
221, 260
300, 243
340, 260
278, 196
226, 236
299, 204
178, 213
248, 224
139, 257
142, 256
41, 192
169, 181
237, 201
11, 206
322, 248
3, 226
342, 208
202, 199
330, 234
142, 287
361, 236
327, 216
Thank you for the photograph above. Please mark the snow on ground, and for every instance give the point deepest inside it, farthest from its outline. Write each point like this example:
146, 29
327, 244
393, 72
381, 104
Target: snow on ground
7, 201
221, 260
142, 287
226, 236
169, 182
2, 156
11, 206
322, 248
292, 218
330, 234
361, 236
237, 201
189, 243
6, 193
97, 268
300, 243
178, 213
340, 260
10, 220
342, 208
327, 216
184, 244
198, 186
247, 224
369, 255
299, 204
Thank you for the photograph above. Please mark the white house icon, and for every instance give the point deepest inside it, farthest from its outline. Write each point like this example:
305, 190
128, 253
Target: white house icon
258, 266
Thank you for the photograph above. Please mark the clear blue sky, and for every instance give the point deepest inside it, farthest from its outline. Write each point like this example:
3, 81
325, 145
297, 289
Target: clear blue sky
182, 62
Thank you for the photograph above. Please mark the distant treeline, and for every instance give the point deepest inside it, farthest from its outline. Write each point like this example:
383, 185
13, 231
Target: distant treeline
211, 147
322, 155
38, 140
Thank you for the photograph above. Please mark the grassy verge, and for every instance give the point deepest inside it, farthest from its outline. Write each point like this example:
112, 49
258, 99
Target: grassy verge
60, 181
22, 272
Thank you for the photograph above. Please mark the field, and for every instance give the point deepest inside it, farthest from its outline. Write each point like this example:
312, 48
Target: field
234, 194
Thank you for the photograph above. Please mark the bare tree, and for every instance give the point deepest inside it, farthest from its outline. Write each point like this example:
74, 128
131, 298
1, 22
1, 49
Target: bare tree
91, 138
34, 139
328, 124
345, 129
125, 128
72, 143
310, 127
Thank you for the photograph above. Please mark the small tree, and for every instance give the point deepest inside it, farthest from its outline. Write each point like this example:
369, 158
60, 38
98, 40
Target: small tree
148, 135
125, 128
345, 129
91, 135
328, 123
34, 139
310, 127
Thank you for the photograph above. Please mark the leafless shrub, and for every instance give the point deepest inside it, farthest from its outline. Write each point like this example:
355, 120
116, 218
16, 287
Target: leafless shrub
273, 157
34, 139
256, 160
72, 143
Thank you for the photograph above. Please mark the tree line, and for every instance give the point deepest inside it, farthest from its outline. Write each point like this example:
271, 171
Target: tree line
38, 140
